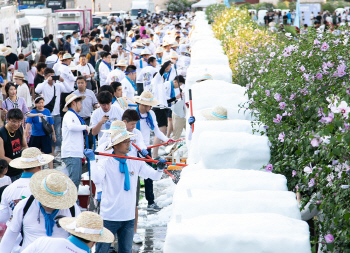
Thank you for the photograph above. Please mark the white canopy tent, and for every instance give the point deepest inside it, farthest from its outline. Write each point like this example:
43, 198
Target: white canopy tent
204, 3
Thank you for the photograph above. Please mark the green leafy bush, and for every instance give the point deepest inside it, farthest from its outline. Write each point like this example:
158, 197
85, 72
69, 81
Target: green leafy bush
178, 5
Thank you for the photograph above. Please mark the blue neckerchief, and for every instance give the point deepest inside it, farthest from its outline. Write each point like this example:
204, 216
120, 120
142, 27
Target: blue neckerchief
159, 60
49, 219
80, 118
149, 120
64, 64
172, 91
109, 67
133, 39
140, 63
123, 168
114, 99
132, 83
167, 75
78, 243
27, 175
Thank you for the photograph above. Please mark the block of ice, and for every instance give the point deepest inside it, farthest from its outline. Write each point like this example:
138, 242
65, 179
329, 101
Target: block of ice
195, 203
207, 100
195, 176
210, 59
222, 126
218, 72
216, 87
238, 233
240, 150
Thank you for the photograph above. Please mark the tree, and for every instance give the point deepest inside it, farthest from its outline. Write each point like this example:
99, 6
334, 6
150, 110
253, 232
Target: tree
178, 5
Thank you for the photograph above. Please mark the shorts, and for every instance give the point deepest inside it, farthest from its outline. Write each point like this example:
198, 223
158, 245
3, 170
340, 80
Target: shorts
31, 84
170, 113
162, 116
41, 142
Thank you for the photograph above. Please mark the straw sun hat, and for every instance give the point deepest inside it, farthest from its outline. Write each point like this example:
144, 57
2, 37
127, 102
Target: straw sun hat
53, 189
18, 75
70, 99
31, 158
123, 102
205, 77
216, 113
146, 98
5, 51
122, 63
159, 50
67, 56
118, 133
87, 225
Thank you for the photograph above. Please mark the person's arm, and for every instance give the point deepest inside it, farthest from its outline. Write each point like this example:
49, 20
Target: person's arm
8, 241
72, 126
40, 87
131, 60
24, 140
97, 127
2, 152
4, 213
28, 126
159, 133
147, 171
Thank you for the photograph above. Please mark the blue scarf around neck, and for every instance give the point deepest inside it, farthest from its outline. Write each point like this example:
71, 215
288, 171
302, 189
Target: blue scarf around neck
123, 168
49, 219
167, 75
27, 175
109, 67
132, 83
148, 119
80, 118
159, 60
78, 243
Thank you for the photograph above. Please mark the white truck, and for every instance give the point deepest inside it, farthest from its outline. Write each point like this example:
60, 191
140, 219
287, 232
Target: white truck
42, 23
15, 31
146, 6
74, 20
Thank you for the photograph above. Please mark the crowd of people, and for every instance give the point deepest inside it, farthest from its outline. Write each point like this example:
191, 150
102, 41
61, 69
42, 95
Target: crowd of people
111, 87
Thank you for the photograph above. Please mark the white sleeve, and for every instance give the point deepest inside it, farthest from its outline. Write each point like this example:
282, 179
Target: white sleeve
94, 120
35, 246
97, 172
4, 213
39, 88
147, 171
8, 241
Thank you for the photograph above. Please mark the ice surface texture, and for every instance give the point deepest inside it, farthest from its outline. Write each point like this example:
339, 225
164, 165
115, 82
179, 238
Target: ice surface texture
238, 233
217, 87
218, 72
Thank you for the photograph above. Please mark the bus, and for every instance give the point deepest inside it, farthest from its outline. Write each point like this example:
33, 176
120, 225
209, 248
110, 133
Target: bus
52, 4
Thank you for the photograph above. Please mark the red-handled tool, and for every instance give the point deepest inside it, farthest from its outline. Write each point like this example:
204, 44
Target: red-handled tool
158, 145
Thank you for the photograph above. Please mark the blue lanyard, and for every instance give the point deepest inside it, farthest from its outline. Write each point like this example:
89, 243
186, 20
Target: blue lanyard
132, 83
78, 243
27, 175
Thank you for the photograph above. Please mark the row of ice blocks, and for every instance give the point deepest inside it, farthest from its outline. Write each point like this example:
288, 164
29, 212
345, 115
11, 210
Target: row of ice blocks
218, 72
235, 211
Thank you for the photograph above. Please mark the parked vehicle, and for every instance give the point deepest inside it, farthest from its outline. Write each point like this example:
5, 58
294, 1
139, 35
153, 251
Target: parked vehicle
74, 20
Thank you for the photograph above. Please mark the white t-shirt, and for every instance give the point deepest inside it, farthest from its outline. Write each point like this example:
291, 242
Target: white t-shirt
145, 76
128, 89
13, 193
34, 222
138, 141
5, 180
115, 75
118, 204
103, 70
87, 69
115, 113
52, 245
76, 58
140, 64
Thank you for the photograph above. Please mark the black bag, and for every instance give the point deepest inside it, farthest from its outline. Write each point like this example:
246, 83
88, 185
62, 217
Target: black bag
51, 105
92, 81
46, 126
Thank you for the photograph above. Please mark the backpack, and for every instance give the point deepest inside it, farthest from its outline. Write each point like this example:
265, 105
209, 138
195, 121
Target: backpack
97, 66
92, 60
27, 206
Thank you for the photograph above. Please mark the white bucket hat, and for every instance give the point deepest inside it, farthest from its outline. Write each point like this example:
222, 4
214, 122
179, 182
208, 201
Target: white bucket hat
67, 56
122, 63
31, 158
87, 225
216, 113
70, 99
119, 135
159, 50
146, 98
53, 189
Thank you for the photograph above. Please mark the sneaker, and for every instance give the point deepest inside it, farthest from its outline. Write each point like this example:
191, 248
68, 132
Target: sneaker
56, 161
137, 239
153, 207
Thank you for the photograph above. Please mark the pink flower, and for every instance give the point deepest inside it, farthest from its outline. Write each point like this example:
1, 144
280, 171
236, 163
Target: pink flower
328, 119
272, 54
330, 64
267, 93
302, 68
315, 142
319, 76
311, 182
340, 70
292, 96
342, 108
294, 173
269, 168
329, 238
281, 137
316, 42
277, 119
324, 46
282, 105
278, 97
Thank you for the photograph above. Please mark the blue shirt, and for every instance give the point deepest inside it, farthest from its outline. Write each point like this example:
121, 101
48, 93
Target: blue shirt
289, 16
37, 124
1, 79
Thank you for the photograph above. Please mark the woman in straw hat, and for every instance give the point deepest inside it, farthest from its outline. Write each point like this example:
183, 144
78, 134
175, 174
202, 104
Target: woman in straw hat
118, 73
73, 132
167, 48
22, 88
119, 188
53, 195
30, 162
85, 230
148, 122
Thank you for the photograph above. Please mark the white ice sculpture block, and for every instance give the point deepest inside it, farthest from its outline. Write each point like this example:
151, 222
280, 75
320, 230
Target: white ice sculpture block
210, 59
239, 150
232, 113
216, 87
238, 233
226, 100
218, 72
222, 126
195, 203
202, 46
195, 176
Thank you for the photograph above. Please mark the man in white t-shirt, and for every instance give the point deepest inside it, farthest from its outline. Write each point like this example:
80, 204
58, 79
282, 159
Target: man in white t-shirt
115, 45
86, 70
117, 75
140, 64
102, 117
104, 68
85, 231
146, 74
53, 194
128, 83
